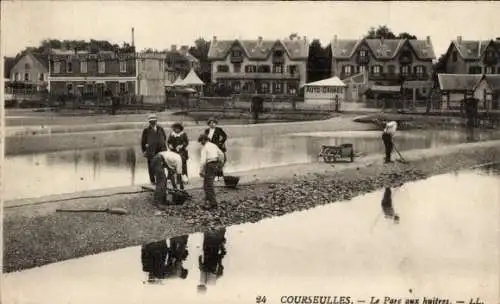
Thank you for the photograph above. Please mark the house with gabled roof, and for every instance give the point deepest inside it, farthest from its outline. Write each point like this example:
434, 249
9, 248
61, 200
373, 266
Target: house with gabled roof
387, 62
261, 66
455, 88
473, 56
30, 73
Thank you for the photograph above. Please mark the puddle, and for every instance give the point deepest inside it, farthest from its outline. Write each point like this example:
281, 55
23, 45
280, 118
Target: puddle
81, 170
447, 236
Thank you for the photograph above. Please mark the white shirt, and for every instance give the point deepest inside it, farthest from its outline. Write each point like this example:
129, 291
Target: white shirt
210, 152
173, 160
391, 127
211, 133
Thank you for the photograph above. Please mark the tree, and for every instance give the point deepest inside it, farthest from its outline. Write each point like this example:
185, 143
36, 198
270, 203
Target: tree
319, 61
382, 31
200, 52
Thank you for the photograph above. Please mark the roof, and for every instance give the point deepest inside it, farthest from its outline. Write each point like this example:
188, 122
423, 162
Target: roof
259, 49
192, 79
382, 48
474, 49
458, 82
329, 82
43, 59
8, 64
357, 78
493, 81
178, 81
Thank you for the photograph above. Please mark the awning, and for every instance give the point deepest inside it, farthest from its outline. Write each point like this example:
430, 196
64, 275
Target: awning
379, 88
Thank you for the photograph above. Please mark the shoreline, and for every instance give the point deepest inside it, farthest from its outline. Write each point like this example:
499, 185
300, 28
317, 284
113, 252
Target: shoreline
65, 236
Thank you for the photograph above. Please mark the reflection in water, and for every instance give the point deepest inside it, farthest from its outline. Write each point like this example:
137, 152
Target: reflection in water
210, 263
163, 262
387, 207
80, 170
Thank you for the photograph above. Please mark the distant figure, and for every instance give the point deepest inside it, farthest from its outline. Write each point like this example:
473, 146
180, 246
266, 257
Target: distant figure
471, 116
387, 138
256, 107
217, 136
178, 141
211, 161
210, 263
173, 163
153, 141
387, 207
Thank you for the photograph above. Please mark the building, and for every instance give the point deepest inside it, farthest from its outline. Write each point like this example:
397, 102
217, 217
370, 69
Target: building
403, 63
179, 62
87, 75
473, 57
457, 87
324, 91
29, 74
259, 66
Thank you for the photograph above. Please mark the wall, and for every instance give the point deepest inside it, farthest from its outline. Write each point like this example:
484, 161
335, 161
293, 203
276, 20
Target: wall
151, 75
323, 93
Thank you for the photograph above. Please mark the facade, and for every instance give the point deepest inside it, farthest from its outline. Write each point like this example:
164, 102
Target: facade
324, 91
87, 75
30, 72
387, 62
473, 57
259, 66
457, 87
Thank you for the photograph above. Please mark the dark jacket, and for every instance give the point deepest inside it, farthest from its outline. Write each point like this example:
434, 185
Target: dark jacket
153, 258
181, 140
213, 252
219, 138
155, 141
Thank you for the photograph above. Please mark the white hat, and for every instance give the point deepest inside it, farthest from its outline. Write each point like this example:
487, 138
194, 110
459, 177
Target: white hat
152, 117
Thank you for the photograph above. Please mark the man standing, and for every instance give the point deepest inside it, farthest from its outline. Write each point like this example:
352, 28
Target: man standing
173, 162
387, 138
153, 141
211, 161
217, 136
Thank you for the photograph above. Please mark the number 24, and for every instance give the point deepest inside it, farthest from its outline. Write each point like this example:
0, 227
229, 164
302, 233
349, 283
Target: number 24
260, 299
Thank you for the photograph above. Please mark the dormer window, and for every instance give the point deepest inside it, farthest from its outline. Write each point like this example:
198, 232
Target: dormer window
278, 53
236, 53
363, 53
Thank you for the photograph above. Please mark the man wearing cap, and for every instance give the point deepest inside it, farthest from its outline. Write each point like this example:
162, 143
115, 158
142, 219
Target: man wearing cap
153, 141
387, 138
211, 161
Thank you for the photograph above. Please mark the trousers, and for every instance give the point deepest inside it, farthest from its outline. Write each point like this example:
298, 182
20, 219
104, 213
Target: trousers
387, 139
211, 170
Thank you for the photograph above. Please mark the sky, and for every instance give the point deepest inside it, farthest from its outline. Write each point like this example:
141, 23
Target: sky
159, 24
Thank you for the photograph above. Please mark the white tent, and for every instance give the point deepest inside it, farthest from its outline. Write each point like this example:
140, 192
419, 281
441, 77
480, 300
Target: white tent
324, 91
178, 81
329, 82
192, 79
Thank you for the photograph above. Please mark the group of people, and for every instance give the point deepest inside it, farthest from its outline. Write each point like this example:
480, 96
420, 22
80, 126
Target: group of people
171, 153
164, 259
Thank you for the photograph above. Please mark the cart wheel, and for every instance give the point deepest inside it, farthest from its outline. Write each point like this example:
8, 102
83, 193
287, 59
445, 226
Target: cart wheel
328, 158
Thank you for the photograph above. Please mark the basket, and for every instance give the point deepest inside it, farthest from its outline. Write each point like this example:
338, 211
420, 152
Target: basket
231, 181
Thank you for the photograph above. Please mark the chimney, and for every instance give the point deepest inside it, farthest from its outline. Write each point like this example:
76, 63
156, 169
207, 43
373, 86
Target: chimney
214, 39
428, 40
335, 39
459, 39
133, 38
184, 47
260, 39
173, 48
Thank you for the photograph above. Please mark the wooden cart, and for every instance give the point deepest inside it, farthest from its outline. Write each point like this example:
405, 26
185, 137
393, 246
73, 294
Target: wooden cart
331, 154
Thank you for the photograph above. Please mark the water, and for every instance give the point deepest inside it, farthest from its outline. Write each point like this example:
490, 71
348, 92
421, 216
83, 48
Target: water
445, 245
81, 170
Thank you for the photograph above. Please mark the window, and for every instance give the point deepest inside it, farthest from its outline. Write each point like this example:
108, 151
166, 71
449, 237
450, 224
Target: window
362, 68
69, 67
69, 88
57, 67
292, 69
18, 77
40, 77
250, 69
475, 70
391, 69
278, 88
26, 76
237, 86
236, 53
454, 56
405, 70
376, 70
489, 70
237, 67
123, 87
101, 67
123, 66
363, 53
223, 68
419, 71
263, 69
83, 66
264, 87
278, 68
347, 70
278, 53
